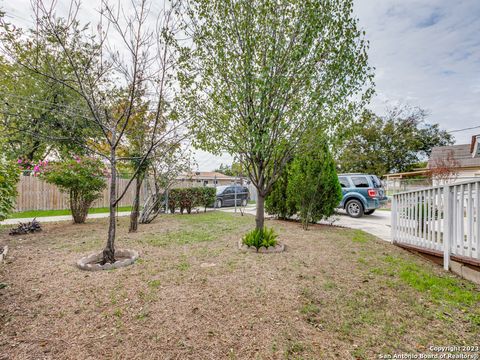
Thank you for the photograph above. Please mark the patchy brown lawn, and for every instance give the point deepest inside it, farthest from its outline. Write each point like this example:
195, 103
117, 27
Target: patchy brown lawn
335, 293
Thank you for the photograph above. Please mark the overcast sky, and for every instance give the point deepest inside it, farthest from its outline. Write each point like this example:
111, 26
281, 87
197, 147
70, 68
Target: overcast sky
426, 53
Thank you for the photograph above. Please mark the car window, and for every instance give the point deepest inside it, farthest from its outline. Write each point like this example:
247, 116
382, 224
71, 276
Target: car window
229, 191
344, 182
220, 189
376, 182
360, 181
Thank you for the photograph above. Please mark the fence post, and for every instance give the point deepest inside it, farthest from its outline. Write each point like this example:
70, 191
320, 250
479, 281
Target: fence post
394, 218
447, 226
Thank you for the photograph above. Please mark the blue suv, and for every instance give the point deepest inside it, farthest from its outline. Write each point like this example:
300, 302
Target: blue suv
362, 194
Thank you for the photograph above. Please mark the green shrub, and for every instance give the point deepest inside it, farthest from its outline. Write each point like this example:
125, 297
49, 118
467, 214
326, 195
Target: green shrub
188, 198
309, 186
277, 202
258, 238
207, 197
82, 178
313, 183
8, 187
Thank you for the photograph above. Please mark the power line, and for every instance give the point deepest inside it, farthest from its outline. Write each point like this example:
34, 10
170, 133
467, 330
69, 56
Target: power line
465, 129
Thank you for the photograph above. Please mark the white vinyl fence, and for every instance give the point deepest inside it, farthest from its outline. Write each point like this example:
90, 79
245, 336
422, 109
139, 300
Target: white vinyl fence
441, 220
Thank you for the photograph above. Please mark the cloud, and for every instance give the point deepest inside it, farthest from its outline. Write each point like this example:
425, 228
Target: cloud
427, 53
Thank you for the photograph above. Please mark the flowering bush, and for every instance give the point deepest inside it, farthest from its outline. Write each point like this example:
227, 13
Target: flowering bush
28, 167
81, 177
8, 187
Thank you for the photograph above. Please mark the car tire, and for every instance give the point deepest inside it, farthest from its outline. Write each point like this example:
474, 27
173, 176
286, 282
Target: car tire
218, 203
354, 208
369, 212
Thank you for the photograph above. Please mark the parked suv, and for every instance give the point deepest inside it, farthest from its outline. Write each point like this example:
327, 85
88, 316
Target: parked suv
226, 196
362, 194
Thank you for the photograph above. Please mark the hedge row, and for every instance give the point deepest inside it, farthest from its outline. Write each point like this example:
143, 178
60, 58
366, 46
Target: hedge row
188, 198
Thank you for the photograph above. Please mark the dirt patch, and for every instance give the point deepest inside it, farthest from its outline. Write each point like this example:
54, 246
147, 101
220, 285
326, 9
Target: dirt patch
335, 293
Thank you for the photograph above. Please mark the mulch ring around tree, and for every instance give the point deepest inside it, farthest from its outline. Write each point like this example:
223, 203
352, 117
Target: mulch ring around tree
92, 262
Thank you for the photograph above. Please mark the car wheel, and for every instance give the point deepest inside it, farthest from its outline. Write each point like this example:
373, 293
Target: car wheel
244, 202
218, 203
354, 208
369, 212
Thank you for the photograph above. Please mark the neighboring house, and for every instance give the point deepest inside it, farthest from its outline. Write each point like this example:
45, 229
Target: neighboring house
447, 165
204, 178
456, 163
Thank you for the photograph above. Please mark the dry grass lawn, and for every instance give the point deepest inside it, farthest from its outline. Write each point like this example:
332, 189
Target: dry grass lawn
334, 294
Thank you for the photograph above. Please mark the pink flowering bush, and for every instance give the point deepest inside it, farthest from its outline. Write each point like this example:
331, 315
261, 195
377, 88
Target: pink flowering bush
28, 167
81, 177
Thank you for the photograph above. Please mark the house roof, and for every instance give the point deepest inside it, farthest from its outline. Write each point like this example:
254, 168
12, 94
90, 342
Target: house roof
207, 175
461, 154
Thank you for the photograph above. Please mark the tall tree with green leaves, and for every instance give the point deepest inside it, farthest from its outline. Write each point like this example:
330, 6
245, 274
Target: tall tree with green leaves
264, 72
39, 116
392, 143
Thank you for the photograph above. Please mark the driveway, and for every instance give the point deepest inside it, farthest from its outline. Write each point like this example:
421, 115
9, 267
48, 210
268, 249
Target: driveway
377, 224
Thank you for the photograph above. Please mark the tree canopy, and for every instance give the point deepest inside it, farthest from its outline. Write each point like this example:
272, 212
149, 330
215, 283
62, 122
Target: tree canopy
266, 72
39, 115
396, 142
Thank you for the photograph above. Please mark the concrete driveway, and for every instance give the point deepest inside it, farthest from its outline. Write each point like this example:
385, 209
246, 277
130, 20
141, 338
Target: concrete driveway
377, 224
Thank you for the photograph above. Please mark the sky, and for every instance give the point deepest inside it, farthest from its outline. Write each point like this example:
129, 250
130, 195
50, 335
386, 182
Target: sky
426, 53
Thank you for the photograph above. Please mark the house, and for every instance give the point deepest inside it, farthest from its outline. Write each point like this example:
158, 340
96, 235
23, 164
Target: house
204, 178
456, 163
446, 165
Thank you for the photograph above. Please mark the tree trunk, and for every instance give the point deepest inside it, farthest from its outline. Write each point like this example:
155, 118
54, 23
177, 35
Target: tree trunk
136, 205
79, 208
260, 216
109, 251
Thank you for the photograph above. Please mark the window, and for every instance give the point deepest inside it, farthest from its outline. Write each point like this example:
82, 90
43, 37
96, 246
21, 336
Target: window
229, 191
344, 182
376, 182
360, 182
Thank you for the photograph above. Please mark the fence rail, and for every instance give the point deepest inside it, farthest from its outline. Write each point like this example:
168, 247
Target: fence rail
443, 219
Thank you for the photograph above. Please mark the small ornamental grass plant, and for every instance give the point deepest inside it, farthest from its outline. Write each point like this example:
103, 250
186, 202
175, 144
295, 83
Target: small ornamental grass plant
258, 238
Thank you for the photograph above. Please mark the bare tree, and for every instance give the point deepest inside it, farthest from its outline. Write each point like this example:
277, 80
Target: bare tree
164, 173
127, 62
444, 169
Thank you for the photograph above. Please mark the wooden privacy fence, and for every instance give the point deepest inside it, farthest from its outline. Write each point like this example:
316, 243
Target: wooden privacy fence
36, 194
442, 221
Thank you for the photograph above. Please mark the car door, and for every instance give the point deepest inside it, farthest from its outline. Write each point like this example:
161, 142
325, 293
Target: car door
361, 184
344, 183
229, 196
